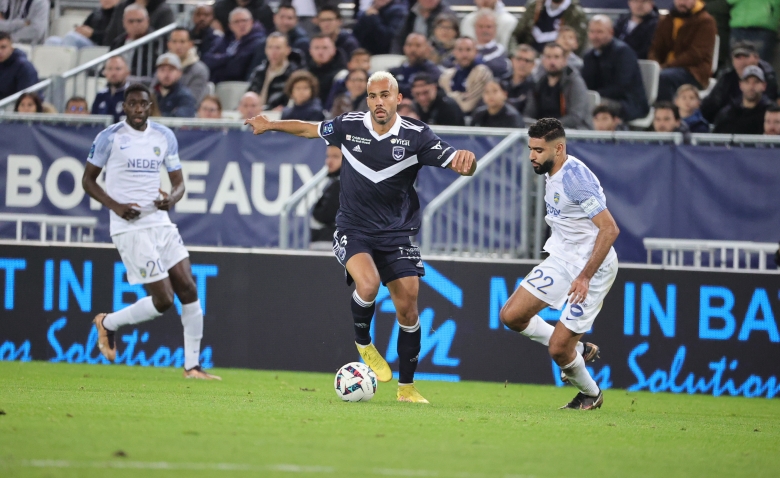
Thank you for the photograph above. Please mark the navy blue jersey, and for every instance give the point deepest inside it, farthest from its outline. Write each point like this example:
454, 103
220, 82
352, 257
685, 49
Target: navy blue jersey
378, 172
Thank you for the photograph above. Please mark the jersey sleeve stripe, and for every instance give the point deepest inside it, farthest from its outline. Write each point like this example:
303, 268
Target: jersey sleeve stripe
449, 160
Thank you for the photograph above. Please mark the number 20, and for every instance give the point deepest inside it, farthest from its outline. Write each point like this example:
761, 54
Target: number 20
539, 274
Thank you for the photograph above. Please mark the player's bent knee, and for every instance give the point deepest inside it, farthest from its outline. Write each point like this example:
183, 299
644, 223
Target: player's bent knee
162, 302
511, 319
559, 353
367, 289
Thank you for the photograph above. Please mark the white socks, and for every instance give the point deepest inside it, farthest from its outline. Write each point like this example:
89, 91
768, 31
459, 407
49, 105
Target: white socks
579, 377
141, 311
192, 320
410, 328
540, 331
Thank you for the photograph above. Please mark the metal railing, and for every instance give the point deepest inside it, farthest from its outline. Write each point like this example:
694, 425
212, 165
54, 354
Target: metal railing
68, 223
737, 255
738, 140
84, 80
294, 234
479, 214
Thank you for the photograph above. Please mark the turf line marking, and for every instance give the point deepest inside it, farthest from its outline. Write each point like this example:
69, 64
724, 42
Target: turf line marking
282, 467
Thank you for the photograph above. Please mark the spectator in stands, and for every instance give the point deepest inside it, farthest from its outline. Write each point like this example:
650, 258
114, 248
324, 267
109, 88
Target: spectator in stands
611, 69
329, 21
378, 25
683, 44
505, 21
567, 38
202, 34
92, 32
606, 117
325, 63
323, 224
286, 22
354, 99
302, 89
637, 27
136, 25
173, 98
726, 89
250, 106
16, 73
432, 105
745, 116
493, 53
406, 108
445, 31
560, 93
542, 19
420, 20
76, 105
269, 78
466, 81
210, 108
687, 101
772, 121
194, 73
756, 22
258, 10
360, 60
29, 103
26, 20
108, 101
231, 57
496, 112
521, 84
416, 50
159, 15
666, 119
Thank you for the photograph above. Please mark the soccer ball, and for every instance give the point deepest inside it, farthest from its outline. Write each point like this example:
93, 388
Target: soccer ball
355, 382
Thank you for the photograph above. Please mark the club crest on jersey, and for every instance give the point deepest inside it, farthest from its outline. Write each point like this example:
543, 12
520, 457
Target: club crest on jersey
156, 151
556, 198
327, 128
398, 152
143, 272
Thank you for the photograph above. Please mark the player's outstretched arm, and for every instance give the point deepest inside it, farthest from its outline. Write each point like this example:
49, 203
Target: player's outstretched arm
177, 191
464, 163
90, 185
608, 232
260, 124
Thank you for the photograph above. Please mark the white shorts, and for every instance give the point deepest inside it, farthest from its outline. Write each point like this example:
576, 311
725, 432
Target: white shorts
149, 253
551, 280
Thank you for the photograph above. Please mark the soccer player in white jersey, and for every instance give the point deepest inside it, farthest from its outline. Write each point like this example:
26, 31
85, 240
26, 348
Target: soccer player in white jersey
581, 267
379, 211
151, 248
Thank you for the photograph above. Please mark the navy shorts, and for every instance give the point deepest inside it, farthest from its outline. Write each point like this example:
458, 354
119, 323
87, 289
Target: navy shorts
394, 257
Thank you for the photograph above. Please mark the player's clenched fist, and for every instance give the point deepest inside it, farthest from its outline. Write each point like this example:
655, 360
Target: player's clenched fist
259, 124
464, 162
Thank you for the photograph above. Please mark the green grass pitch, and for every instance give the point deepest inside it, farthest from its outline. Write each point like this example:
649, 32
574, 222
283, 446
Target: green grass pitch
117, 421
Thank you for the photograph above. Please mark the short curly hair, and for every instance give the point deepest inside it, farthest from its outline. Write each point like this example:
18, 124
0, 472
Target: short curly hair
547, 129
302, 75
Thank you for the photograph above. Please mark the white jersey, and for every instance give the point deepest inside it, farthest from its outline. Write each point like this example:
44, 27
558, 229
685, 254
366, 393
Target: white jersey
132, 160
573, 197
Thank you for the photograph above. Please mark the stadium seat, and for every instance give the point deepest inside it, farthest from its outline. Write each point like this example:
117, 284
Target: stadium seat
273, 115
595, 99
84, 86
211, 88
386, 62
231, 114
230, 92
651, 73
27, 49
90, 53
66, 23
53, 60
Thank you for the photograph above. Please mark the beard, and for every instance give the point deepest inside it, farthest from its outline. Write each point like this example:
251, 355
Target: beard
544, 168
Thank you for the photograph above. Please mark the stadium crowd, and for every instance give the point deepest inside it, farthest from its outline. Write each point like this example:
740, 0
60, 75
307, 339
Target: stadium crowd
489, 68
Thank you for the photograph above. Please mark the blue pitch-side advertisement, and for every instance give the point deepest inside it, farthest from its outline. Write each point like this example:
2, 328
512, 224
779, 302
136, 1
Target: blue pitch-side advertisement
711, 332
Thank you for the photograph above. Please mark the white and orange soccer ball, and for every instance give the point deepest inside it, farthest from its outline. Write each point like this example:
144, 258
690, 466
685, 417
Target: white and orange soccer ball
355, 382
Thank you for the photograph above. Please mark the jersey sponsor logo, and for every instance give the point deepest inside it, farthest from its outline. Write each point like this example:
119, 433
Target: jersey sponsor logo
157, 151
327, 128
437, 145
124, 147
552, 211
357, 149
442, 153
358, 139
556, 198
590, 205
144, 164
400, 142
398, 152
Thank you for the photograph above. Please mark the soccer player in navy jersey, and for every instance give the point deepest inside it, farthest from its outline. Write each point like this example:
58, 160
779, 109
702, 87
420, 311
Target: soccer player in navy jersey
379, 211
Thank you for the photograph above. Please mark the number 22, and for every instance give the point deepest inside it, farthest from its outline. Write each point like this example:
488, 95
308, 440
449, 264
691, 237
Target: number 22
539, 274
